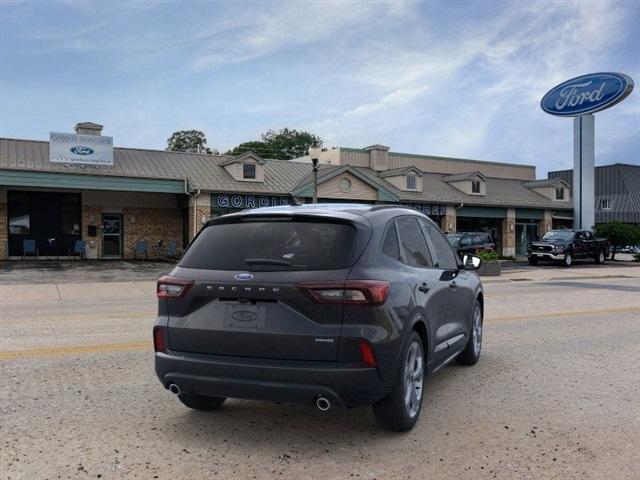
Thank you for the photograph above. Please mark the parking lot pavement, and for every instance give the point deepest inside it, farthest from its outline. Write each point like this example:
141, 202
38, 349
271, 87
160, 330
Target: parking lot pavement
555, 395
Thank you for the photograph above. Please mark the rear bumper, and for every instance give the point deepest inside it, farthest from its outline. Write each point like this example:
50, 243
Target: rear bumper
272, 380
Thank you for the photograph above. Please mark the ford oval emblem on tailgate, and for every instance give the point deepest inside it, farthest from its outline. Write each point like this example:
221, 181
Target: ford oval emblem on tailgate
243, 276
244, 316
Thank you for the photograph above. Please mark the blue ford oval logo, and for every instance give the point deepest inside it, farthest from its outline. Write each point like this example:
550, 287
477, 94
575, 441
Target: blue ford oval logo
587, 94
243, 276
79, 150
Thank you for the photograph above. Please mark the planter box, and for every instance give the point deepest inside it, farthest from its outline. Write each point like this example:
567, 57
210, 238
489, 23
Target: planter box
490, 269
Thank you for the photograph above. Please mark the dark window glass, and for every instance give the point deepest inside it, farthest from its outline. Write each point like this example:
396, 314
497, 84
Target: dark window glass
559, 193
272, 246
70, 219
475, 186
478, 239
19, 219
414, 245
466, 241
411, 182
445, 254
249, 170
390, 246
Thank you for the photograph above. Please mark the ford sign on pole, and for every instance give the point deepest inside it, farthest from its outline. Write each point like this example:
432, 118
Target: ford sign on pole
85, 149
580, 97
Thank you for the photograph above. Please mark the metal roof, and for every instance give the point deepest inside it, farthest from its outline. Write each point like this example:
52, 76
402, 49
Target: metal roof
205, 172
463, 176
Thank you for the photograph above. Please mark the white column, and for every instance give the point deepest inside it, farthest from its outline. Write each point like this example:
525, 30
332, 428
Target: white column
583, 171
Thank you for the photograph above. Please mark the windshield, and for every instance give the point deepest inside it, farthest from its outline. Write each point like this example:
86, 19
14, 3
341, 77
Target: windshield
271, 246
454, 240
558, 235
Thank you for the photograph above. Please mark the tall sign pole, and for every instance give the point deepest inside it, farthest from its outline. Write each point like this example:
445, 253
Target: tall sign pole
583, 171
580, 97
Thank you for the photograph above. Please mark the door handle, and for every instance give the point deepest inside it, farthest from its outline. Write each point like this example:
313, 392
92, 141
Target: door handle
424, 288
453, 284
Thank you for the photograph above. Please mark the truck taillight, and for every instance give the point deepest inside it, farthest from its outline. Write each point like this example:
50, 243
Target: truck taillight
172, 287
352, 292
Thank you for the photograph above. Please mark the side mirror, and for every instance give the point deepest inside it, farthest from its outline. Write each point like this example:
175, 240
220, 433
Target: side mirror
471, 262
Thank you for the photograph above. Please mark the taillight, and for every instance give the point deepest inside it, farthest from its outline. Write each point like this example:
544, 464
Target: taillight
367, 353
158, 339
171, 287
352, 292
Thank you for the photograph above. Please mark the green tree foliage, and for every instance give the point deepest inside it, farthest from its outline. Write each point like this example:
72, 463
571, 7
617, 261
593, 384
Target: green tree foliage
284, 144
188, 141
619, 234
257, 147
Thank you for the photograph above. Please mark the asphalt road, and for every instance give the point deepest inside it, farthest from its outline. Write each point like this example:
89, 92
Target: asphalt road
556, 394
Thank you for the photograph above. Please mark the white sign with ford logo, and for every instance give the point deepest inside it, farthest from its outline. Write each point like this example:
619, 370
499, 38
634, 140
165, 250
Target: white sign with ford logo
80, 149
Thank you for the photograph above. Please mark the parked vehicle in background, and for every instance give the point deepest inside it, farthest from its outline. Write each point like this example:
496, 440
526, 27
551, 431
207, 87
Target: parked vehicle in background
322, 305
471, 242
564, 246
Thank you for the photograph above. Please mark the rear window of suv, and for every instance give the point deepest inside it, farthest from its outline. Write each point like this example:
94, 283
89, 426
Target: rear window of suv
272, 246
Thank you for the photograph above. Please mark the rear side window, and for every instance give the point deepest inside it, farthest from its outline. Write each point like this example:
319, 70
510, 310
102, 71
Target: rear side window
390, 245
414, 245
272, 246
466, 241
445, 254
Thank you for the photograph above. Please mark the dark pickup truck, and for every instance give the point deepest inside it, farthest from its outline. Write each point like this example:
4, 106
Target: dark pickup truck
566, 245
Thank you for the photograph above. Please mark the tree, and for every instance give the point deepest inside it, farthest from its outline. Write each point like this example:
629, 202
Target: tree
284, 144
188, 141
257, 147
619, 234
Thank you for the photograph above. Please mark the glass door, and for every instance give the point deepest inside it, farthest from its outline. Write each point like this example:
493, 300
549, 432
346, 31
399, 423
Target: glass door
525, 233
111, 235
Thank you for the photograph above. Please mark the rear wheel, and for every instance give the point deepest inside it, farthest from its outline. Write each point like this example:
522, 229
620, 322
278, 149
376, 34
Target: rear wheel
471, 353
199, 402
399, 410
567, 261
600, 257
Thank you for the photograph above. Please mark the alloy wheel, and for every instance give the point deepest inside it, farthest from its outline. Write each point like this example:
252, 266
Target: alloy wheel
477, 330
413, 379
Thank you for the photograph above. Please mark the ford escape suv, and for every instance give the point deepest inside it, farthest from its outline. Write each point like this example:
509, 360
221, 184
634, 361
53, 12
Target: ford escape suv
344, 305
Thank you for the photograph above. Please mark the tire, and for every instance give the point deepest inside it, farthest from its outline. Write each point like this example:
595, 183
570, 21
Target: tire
533, 261
471, 353
568, 260
399, 411
199, 402
600, 257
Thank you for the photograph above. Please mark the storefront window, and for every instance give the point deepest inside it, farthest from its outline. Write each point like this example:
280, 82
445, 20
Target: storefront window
19, 218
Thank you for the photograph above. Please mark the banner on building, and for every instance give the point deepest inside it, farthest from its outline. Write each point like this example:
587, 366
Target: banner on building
80, 149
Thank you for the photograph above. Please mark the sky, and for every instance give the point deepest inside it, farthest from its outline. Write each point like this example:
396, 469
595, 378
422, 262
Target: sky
451, 78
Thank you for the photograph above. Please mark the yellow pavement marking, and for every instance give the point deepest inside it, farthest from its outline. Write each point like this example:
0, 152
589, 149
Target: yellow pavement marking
119, 316
144, 345
565, 314
74, 349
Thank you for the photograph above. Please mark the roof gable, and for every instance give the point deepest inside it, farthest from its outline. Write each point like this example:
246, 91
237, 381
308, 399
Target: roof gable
464, 176
249, 155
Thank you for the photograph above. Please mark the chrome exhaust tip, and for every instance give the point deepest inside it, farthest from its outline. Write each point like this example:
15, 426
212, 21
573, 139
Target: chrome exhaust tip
323, 404
175, 389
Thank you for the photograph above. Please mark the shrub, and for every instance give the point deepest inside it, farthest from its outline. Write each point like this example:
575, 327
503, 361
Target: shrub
488, 257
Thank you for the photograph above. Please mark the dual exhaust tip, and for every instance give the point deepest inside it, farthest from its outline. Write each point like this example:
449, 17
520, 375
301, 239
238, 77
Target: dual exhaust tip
322, 403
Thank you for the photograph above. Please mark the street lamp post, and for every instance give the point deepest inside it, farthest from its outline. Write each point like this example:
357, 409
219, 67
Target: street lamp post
314, 153
314, 161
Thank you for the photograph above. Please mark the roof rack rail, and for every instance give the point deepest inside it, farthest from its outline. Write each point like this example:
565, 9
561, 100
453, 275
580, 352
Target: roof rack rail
382, 207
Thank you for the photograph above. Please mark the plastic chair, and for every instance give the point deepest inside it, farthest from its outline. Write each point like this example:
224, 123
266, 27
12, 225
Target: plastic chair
79, 248
172, 249
141, 248
29, 248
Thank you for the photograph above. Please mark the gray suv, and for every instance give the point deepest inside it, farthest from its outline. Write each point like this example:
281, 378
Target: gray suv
344, 305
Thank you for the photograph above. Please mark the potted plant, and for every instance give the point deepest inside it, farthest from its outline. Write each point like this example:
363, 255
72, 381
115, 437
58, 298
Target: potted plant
490, 266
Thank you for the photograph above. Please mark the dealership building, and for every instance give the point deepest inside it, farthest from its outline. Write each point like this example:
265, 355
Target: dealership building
79, 187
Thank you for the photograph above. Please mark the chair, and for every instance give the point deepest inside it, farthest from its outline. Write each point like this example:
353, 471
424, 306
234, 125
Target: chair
141, 248
79, 248
172, 249
29, 248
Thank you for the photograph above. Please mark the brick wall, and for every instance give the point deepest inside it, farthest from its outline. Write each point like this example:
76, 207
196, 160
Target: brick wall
152, 225
509, 233
4, 242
